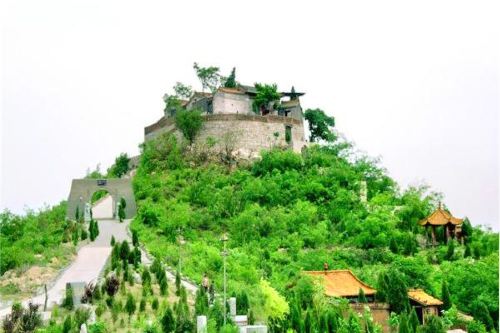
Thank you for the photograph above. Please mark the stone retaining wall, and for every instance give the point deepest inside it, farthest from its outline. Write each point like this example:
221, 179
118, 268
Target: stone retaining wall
248, 134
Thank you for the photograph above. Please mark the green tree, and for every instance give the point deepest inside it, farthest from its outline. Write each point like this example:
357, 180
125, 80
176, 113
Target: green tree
231, 79
189, 123
403, 324
362, 296
130, 305
124, 250
251, 317
467, 252
121, 209
266, 94
319, 125
163, 287
243, 303
275, 305
177, 283
354, 325
183, 91
142, 305
413, 320
67, 324
433, 324
120, 167
332, 321
393, 246
146, 279
445, 296
477, 252
201, 302
160, 153
467, 230
295, 317
308, 324
450, 252
167, 321
208, 76
393, 289
410, 246
68, 299
476, 327
481, 313
155, 304
92, 230
113, 241
135, 237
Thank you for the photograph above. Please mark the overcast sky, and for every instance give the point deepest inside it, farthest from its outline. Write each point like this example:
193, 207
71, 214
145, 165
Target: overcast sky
416, 83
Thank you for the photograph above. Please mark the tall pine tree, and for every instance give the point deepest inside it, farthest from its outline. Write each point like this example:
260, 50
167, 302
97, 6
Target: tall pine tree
445, 296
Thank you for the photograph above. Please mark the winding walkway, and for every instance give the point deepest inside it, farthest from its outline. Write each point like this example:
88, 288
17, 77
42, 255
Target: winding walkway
89, 263
87, 266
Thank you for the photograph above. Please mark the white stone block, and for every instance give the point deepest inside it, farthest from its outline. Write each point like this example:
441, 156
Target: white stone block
201, 324
232, 306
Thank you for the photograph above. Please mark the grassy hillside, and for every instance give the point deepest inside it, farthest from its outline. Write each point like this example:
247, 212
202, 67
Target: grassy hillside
289, 212
33, 248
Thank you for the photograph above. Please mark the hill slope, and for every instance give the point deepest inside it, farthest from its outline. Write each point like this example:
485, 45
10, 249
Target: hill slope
291, 212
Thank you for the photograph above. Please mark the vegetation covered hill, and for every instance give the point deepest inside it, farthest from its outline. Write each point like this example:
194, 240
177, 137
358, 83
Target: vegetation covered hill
33, 248
291, 212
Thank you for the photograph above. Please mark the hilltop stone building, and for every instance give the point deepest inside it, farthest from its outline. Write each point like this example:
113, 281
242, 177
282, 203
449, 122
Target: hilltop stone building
231, 120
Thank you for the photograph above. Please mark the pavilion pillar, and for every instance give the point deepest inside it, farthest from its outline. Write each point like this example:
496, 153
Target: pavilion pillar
433, 235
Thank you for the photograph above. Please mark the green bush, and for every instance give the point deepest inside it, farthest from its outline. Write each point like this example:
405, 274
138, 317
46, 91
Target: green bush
35, 233
67, 325
291, 212
97, 327
155, 304
189, 123
68, 298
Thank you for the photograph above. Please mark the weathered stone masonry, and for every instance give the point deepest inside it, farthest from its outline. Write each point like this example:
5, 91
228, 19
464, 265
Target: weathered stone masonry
251, 133
231, 117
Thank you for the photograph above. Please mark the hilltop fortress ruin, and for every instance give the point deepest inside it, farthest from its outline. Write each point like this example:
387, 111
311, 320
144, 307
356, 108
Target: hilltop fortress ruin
231, 118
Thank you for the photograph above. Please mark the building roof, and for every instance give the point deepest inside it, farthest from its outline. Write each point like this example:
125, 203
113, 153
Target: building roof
341, 283
440, 217
231, 90
421, 297
248, 89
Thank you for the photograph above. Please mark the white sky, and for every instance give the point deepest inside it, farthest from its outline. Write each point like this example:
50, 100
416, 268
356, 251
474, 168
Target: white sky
416, 83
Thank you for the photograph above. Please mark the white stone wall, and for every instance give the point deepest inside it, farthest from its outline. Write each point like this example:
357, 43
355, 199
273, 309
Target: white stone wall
248, 135
165, 129
224, 103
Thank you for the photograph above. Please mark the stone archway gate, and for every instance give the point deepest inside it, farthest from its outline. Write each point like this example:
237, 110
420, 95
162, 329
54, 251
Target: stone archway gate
82, 190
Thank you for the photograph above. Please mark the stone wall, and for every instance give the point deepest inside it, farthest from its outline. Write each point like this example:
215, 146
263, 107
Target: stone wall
82, 190
246, 135
235, 103
380, 313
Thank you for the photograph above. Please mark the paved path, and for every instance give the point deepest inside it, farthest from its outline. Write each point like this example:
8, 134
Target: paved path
103, 208
90, 261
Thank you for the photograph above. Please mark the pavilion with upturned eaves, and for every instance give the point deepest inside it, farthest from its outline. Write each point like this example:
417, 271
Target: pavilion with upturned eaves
443, 218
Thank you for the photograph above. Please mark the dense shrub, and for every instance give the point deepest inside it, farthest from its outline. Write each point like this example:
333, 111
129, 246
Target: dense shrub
290, 212
189, 123
22, 237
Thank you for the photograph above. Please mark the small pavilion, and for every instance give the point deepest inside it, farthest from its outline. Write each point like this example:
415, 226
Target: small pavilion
442, 218
425, 305
343, 283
